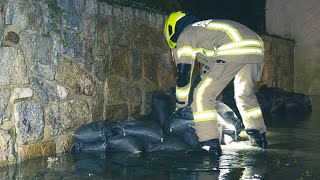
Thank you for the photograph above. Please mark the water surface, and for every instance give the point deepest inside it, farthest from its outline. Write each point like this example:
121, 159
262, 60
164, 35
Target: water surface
294, 154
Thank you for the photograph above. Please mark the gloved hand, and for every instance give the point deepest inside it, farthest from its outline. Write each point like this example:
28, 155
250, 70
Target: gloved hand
184, 113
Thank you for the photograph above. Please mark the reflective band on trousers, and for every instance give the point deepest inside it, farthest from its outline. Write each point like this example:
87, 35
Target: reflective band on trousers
253, 113
222, 50
182, 92
228, 29
205, 116
244, 43
207, 81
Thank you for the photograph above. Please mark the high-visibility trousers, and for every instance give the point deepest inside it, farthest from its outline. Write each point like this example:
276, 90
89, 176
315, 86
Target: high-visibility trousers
212, 83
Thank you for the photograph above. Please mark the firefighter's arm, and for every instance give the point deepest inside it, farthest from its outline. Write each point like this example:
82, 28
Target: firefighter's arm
184, 73
184, 57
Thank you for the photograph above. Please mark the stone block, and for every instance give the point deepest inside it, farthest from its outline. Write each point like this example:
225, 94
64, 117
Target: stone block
73, 47
105, 9
97, 106
121, 31
142, 35
85, 85
135, 111
73, 21
150, 67
91, 7
167, 72
103, 32
7, 149
29, 120
62, 92
67, 116
90, 26
122, 90
87, 55
21, 93
36, 20
116, 112
1, 22
68, 73
63, 143
71, 5
12, 67
7, 172
119, 62
38, 53
6, 64
17, 14
101, 68
4, 102
29, 151
136, 64
44, 91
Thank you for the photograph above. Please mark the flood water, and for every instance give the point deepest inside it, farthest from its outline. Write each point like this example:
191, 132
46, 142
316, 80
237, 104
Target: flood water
294, 153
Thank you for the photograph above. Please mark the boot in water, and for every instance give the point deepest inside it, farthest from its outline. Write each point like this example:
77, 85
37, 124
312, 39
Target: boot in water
212, 146
257, 139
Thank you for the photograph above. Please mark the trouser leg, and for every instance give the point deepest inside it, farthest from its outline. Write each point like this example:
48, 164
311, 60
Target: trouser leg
205, 94
246, 99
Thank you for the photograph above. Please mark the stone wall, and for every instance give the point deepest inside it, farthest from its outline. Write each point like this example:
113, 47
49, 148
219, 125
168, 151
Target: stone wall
65, 63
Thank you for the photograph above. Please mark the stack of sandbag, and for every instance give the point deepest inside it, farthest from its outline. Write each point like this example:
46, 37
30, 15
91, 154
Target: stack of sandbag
274, 102
163, 130
131, 136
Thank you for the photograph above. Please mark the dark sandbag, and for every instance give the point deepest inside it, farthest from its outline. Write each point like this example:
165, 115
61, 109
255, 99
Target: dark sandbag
146, 130
96, 131
170, 143
190, 138
162, 107
178, 125
125, 144
78, 147
96, 146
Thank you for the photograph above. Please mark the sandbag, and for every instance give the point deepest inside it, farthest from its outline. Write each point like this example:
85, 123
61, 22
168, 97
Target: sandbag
170, 143
191, 139
146, 130
96, 131
178, 125
162, 107
125, 144
95, 146
79, 146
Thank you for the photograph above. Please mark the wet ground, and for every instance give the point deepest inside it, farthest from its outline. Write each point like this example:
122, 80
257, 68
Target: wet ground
294, 154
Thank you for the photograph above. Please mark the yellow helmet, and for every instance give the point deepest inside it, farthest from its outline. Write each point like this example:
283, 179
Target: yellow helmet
169, 28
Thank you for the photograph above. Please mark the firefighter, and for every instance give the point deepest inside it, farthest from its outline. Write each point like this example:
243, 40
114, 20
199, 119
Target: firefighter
228, 50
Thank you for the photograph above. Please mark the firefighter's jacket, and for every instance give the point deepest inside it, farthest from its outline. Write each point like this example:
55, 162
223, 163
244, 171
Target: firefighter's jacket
212, 40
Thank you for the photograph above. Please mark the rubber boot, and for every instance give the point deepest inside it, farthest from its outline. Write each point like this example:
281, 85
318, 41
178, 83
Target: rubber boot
212, 146
257, 139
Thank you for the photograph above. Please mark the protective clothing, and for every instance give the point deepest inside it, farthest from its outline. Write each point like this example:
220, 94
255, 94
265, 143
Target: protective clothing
229, 50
